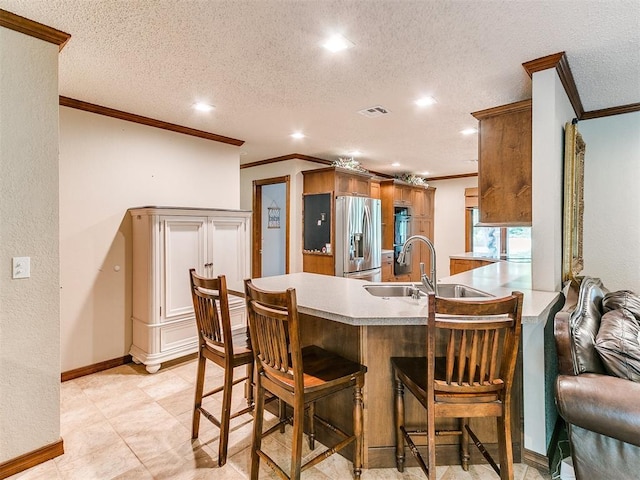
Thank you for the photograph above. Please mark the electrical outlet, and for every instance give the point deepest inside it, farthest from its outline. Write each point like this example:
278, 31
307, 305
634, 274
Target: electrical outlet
21, 267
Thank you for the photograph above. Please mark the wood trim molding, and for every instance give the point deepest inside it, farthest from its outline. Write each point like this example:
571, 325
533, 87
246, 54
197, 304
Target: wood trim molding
33, 29
502, 109
536, 460
452, 177
31, 459
561, 64
96, 367
606, 112
132, 117
284, 158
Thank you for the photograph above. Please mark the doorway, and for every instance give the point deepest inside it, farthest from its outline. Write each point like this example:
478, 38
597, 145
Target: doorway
270, 242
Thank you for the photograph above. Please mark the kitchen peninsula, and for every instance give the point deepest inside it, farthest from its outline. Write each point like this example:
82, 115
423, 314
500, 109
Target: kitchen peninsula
340, 315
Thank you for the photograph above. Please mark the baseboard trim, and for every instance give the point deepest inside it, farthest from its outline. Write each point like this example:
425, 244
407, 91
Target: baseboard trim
31, 459
95, 368
536, 460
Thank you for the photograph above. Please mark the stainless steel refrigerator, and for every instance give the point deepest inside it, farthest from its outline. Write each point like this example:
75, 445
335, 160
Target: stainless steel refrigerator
358, 238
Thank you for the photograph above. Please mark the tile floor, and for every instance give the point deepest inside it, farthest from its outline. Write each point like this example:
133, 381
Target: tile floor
126, 424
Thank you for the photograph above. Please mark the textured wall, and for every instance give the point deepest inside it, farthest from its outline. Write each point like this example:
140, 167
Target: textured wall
29, 308
107, 166
612, 200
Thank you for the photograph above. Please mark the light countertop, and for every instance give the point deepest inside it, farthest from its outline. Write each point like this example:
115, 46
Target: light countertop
487, 258
346, 301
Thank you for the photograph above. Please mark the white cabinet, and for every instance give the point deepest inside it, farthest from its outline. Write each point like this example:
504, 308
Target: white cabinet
167, 242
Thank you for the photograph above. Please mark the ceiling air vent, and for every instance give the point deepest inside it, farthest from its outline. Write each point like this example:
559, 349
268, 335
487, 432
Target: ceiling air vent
376, 111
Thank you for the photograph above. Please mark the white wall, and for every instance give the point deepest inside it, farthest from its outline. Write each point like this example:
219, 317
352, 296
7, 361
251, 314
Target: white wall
611, 243
449, 227
279, 169
107, 166
274, 239
29, 307
551, 110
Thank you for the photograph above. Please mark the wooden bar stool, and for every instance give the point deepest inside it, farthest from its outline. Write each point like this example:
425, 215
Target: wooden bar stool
473, 379
227, 349
298, 376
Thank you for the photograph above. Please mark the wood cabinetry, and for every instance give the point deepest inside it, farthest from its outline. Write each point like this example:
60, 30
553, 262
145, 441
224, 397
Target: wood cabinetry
419, 201
459, 265
374, 188
402, 195
387, 267
167, 242
504, 164
335, 181
338, 180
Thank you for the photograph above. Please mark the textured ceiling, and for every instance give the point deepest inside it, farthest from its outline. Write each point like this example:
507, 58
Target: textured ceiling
260, 63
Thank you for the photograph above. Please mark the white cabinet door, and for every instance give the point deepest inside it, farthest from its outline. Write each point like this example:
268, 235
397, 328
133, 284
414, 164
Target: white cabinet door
230, 252
184, 245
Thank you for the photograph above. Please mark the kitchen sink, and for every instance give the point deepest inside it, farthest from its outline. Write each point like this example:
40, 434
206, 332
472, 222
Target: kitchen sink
446, 290
394, 290
457, 290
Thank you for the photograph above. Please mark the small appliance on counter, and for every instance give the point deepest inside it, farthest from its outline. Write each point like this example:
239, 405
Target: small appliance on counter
358, 238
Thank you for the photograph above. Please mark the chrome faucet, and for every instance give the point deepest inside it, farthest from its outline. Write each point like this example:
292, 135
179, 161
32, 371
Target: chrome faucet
430, 281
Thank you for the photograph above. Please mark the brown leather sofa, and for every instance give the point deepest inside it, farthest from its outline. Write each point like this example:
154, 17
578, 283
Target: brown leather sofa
602, 411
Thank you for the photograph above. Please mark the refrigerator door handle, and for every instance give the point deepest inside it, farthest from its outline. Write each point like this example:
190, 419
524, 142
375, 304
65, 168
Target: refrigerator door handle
368, 234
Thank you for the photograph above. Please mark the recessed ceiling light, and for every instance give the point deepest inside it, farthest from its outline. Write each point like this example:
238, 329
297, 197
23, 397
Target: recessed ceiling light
425, 101
424, 174
469, 131
395, 164
355, 153
203, 107
297, 135
337, 43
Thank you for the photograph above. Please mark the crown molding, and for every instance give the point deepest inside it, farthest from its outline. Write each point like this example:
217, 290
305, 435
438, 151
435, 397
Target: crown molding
524, 105
33, 29
606, 112
452, 177
561, 64
284, 158
132, 117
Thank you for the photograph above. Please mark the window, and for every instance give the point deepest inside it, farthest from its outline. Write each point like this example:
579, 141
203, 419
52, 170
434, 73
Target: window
507, 242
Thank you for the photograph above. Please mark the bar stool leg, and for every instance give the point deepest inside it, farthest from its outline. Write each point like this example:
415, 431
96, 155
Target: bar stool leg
464, 444
195, 426
296, 439
357, 428
225, 417
256, 442
312, 426
399, 420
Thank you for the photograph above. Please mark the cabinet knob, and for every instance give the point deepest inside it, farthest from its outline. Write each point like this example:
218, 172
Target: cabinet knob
208, 264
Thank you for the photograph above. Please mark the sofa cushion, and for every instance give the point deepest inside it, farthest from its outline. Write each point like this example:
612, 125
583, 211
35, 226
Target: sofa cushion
622, 299
618, 343
585, 323
602, 404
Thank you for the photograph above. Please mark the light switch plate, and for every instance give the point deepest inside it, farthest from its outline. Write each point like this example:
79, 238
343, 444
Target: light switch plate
21, 267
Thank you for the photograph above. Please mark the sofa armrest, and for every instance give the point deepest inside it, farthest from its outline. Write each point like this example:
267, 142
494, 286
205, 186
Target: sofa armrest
601, 403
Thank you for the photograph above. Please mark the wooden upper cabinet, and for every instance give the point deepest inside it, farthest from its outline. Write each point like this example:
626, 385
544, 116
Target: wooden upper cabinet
374, 187
337, 180
504, 164
422, 202
403, 195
